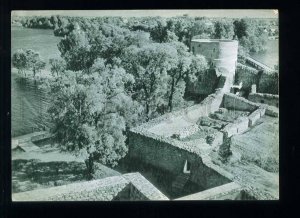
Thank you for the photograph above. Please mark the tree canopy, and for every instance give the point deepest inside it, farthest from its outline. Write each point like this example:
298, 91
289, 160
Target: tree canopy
90, 112
28, 60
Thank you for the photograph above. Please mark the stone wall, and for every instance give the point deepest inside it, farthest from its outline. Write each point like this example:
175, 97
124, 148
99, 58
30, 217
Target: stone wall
254, 116
246, 75
229, 191
159, 153
222, 58
205, 176
237, 127
209, 49
142, 189
187, 131
232, 101
266, 82
170, 155
220, 53
97, 190
131, 186
264, 98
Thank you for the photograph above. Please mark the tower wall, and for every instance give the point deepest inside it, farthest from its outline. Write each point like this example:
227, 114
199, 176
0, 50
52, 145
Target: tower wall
221, 54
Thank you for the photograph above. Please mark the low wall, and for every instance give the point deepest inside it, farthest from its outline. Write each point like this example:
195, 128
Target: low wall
230, 191
255, 115
232, 101
187, 131
272, 111
239, 126
97, 190
142, 189
131, 186
264, 98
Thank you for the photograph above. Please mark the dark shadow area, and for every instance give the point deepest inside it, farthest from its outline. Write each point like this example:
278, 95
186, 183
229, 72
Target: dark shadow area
32, 174
161, 179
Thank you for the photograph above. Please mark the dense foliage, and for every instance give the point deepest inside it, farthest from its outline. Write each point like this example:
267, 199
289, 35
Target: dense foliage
90, 113
28, 60
252, 33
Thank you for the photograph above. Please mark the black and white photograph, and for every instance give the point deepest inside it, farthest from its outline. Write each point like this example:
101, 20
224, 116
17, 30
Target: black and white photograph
144, 105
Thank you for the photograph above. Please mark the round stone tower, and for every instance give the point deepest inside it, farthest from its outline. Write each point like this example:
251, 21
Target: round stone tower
221, 54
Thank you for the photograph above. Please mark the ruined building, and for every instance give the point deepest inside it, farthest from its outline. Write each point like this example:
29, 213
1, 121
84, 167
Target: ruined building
190, 145
225, 147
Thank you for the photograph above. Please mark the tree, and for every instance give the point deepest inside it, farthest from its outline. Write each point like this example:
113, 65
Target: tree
188, 66
182, 27
240, 28
203, 29
251, 34
224, 29
159, 32
57, 66
90, 112
81, 47
19, 60
34, 61
149, 65
26, 60
75, 49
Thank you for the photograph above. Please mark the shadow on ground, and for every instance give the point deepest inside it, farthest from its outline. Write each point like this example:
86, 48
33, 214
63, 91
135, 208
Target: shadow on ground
34, 174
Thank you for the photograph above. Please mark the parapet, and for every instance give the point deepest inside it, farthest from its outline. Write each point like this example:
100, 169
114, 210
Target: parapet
131, 186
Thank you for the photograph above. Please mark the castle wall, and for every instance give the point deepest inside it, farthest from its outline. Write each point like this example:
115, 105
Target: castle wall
97, 190
230, 191
209, 49
231, 101
265, 82
264, 98
221, 53
222, 58
247, 75
131, 186
169, 157
158, 153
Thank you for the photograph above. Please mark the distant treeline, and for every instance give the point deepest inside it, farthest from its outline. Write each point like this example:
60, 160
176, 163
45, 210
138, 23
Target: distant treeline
251, 33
